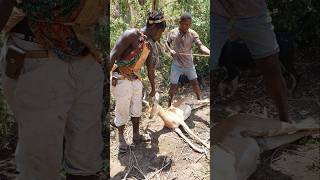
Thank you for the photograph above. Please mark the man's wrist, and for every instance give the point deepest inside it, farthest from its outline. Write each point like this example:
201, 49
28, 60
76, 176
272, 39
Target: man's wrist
153, 90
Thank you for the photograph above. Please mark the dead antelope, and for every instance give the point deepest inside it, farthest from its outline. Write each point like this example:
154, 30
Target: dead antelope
239, 139
175, 116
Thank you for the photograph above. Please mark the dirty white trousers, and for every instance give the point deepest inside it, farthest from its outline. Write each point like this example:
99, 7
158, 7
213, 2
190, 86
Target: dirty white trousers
55, 100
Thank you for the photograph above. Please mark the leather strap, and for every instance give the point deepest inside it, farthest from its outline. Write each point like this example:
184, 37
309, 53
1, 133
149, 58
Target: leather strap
37, 54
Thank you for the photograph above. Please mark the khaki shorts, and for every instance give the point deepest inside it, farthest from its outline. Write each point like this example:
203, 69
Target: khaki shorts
55, 100
177, 71
256, 32
128, 97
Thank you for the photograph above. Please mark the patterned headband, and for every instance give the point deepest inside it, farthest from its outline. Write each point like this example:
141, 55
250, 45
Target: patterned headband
156, 21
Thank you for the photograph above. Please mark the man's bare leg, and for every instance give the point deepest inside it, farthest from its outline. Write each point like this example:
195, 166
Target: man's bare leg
172, 92
122, 142
275, 83
196, 88
135, 129
137, 138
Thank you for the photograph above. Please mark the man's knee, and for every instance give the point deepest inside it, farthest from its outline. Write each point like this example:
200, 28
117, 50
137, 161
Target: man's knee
135, 119
173, 89
194, 82
269, 66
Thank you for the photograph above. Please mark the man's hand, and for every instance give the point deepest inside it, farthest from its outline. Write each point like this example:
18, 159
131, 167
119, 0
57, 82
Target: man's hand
204, 49
114, 81
152, 93
173, 52
151, 97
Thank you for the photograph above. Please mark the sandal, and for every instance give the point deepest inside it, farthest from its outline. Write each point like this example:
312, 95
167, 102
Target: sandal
123, 148
142, 138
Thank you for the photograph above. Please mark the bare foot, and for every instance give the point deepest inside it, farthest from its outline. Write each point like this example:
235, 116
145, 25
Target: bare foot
141, 138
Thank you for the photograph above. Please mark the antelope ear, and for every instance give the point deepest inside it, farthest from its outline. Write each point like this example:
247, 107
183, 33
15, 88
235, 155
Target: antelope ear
153, 111
146, 103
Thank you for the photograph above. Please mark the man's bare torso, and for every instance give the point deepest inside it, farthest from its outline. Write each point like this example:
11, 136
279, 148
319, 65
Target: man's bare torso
134, 36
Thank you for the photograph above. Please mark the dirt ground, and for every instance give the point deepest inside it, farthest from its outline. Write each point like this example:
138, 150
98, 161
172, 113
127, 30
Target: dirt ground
167, 156
298, 160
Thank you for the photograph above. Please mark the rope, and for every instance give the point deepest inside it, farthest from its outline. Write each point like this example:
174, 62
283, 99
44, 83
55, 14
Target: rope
203, 55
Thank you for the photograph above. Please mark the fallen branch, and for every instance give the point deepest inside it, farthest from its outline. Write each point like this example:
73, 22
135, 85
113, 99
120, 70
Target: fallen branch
199, 157
159, 170
130, 165
138, 167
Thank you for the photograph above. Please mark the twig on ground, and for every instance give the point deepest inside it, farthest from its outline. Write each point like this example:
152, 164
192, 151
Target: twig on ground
304, 99
190, 174
130, 164
172, 157
138, 167
281, 148
159, 170
164, 160
141, 172
127, 173
184, 145
199, 157
301, 155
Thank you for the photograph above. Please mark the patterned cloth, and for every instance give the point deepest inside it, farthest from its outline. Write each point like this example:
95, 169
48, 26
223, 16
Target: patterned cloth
48, 20
131, 65
133, 57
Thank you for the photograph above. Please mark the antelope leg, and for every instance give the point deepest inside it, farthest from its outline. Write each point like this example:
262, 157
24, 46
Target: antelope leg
178, 131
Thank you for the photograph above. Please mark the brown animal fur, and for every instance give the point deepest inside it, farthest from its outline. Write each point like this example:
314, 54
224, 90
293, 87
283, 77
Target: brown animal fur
175, 116
236, 139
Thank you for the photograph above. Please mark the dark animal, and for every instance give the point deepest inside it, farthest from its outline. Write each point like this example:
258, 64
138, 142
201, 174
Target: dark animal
183, 79
235, 57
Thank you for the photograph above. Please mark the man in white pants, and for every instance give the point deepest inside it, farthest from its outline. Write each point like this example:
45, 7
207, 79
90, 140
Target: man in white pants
57, 94
131, 51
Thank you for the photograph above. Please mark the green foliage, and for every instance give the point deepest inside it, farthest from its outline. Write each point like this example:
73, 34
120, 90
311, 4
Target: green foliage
200, 11
126, 14
289, 16
1, 43
102, 38
129, 14
7, 125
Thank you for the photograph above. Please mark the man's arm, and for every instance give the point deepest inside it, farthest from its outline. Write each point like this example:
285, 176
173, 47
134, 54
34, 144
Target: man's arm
169, 48
204, 49
168, 44
151, 74
123, 43
198, 42
6, 7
